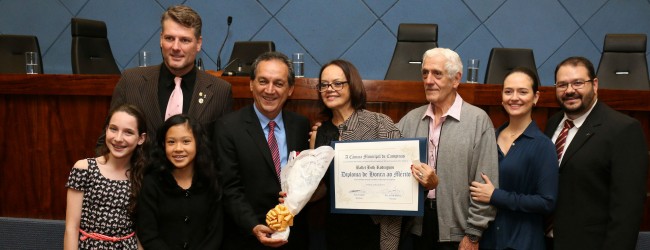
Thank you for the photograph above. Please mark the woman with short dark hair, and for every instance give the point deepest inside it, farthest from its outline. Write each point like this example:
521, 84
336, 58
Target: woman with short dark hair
342, 97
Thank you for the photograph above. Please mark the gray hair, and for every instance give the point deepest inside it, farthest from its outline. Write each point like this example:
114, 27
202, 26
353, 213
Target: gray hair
453, 65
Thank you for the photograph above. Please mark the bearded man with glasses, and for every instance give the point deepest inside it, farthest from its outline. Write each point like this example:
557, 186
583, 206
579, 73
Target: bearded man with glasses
603, 160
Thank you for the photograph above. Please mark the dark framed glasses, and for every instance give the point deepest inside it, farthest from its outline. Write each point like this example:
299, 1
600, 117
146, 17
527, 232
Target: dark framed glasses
323, 86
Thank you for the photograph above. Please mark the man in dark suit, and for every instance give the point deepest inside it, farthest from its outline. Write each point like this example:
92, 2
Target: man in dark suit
204, 97
249, 168
603, 165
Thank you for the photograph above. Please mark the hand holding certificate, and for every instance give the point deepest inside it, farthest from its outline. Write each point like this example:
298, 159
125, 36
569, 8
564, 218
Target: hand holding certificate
425, 175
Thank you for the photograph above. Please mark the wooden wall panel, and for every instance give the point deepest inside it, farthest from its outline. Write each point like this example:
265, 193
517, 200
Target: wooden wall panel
42, 138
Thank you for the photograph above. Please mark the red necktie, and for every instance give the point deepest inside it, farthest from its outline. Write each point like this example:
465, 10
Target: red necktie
273, 146
175, 104
561, 139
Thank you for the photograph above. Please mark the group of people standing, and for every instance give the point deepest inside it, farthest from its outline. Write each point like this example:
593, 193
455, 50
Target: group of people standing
176, 169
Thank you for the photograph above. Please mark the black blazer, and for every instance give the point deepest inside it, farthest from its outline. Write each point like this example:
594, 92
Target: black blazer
248, 175
139, 86
602, 183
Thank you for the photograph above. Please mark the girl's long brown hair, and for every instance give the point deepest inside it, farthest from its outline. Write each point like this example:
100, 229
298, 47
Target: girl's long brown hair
138, 159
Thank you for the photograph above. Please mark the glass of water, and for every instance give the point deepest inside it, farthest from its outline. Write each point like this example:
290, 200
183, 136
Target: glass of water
298, 64
31, 62
472, 70
143, 59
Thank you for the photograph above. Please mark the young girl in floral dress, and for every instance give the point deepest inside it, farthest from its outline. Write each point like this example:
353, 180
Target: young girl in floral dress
102, 191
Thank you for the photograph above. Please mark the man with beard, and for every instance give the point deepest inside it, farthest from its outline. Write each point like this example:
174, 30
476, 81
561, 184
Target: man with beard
175, 86
603, 165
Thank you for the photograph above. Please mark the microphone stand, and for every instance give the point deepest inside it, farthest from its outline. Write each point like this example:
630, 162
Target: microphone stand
224, 43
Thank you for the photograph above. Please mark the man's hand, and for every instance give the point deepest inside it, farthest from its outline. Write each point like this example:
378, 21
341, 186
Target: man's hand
312, 135
263, 234
467, 244
319, 193
424, 175
482, 192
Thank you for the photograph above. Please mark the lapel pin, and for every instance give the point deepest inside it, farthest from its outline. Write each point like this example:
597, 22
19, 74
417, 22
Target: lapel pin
200, 93
200, 100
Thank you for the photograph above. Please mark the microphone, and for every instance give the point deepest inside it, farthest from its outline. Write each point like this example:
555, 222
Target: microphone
224, 43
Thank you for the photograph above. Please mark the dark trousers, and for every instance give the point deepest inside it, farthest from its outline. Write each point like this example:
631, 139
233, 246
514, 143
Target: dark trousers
549, 243
430, 231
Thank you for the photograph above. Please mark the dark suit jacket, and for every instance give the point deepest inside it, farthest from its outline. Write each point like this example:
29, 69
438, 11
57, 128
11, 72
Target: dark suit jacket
602, 183
139, 86
250, 183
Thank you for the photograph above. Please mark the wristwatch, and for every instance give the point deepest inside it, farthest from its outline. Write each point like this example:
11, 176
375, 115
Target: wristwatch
472, 238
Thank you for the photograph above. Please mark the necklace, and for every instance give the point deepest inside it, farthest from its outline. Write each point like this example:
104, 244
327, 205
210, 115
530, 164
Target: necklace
515, 134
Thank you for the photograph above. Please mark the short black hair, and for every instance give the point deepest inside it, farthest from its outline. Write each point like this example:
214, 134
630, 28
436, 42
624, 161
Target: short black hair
577, 61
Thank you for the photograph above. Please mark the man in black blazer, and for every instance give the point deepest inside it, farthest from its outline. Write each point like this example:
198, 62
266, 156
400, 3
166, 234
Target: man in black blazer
205, 97
249, 176
603, 165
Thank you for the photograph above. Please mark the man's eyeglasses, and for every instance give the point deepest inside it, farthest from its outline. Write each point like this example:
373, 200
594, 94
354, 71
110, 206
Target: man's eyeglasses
577, 84
323, 86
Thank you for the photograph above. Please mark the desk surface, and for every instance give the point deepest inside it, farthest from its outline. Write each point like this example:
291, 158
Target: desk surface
377, 90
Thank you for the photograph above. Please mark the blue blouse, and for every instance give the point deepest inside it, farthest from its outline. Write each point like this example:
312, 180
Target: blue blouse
528, 179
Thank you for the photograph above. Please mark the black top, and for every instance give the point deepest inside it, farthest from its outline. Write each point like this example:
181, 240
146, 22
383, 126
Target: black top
356, 231
166, 86
327, 133
170, 217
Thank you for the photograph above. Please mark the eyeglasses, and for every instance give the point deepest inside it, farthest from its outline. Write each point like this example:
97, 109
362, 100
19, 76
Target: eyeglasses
323, 86
577, 84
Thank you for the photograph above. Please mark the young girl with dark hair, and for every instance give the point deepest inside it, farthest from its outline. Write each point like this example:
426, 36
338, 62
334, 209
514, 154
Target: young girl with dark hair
102, 191
180, 204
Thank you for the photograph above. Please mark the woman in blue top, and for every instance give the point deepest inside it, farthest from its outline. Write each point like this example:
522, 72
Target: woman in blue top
528, 171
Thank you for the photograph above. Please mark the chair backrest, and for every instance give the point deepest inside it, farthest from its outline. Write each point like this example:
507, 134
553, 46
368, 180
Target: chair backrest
623, 64
503, 60
244, 54
91, 52
26, 233
12, 53
413, 39
643, 242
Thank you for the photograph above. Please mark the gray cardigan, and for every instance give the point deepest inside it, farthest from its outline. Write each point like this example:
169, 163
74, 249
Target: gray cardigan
466, 149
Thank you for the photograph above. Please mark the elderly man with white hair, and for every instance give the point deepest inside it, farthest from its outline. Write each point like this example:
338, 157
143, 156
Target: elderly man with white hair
461, 146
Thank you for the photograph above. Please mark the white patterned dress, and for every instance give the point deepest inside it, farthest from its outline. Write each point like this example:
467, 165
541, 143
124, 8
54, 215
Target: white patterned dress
104, 208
